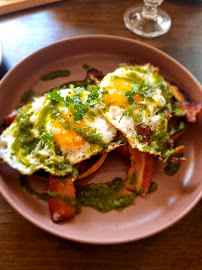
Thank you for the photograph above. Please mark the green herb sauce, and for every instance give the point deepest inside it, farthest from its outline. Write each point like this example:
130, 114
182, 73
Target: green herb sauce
24, 142
177, 110
55, 74
83, 83
47, 195
27, 96
92, 138
48, 110
24, 184
172, 168
86, 67
133, 78
138, 69
105, 196
159, 139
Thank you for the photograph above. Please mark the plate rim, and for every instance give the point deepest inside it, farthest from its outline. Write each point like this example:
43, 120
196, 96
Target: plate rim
79, 239
102, 36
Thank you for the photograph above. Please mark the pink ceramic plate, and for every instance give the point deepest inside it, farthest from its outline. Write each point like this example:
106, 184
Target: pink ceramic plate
175, 196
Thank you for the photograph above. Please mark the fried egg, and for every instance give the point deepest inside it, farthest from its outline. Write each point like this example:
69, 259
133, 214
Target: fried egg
134, 100
54, 132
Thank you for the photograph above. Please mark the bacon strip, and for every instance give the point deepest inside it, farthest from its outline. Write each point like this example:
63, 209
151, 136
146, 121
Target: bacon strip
176, 155
124, 151
192, 110
139, 174
175, 91
60, 209
10, 118
94, 167
95, 75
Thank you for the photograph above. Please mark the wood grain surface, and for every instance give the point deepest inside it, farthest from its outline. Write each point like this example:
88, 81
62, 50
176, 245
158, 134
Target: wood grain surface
24, 246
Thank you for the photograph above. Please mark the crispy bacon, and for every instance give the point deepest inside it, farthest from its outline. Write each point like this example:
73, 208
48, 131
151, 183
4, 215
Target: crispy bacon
175, 91
192, 110
144, 131
176, 155
124, 150
177, 159
10, 118
94, 75
134, 62
94, 167
139, 174
178, 134
59, 208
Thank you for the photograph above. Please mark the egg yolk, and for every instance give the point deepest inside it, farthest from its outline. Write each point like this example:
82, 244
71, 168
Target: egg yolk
81, 124
116, 89
69, 138
66, 138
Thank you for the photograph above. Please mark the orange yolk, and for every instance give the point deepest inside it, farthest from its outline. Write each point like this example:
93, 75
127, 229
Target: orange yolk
81, 124
117, 88
69, 138
66, 138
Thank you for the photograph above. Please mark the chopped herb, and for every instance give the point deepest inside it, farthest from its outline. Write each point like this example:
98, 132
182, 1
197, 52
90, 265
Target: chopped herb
128, 111
86, 128
138, 118
94, 131
80, 112
45, 139
105, 92
93, 88
68, 100
124, 113
131, 93
75, 104
78, 90
54, 95
144, 90
93, 97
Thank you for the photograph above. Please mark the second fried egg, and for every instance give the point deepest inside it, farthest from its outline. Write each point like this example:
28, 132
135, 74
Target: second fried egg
135, 99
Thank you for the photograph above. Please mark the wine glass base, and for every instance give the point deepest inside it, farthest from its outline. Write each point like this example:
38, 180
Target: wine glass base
136, 22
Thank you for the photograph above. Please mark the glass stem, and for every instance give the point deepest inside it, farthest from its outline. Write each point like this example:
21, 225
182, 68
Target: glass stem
150, 9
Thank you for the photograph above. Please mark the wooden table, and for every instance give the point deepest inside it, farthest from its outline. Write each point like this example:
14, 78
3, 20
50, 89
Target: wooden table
24, 246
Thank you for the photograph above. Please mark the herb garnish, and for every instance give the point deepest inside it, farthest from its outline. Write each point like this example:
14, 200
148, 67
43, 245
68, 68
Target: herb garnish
144, 90
93, 97
74, 104
128, 111
55, 96
45, 139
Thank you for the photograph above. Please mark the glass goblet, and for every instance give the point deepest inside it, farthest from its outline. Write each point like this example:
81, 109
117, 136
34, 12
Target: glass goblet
147, 20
